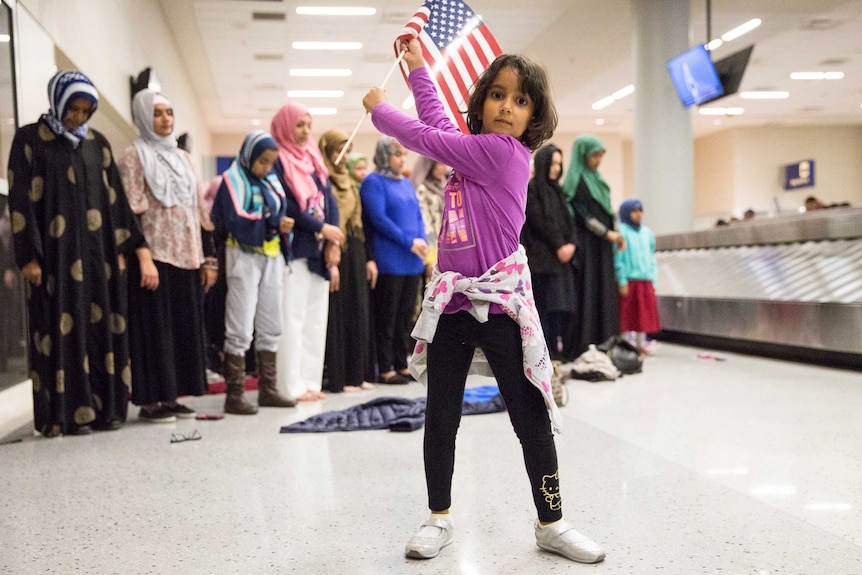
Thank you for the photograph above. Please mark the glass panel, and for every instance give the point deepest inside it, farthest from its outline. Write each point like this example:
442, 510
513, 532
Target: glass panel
13, 323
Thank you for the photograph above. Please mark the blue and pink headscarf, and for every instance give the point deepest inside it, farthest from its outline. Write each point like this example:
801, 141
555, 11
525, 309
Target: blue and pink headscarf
64, 88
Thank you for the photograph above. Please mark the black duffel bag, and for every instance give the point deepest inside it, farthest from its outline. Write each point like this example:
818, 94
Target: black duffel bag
623, 354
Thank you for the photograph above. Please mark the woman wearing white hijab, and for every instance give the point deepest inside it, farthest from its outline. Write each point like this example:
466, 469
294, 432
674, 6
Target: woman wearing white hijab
168, 346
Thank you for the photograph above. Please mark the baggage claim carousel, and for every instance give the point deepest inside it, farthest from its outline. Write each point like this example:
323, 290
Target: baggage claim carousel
788, 287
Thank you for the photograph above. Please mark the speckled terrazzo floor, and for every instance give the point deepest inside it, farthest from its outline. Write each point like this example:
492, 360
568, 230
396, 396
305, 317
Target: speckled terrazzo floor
747, 466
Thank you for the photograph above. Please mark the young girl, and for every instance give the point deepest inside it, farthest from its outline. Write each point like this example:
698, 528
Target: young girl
250, 210
483, 282
636, 275
549, 238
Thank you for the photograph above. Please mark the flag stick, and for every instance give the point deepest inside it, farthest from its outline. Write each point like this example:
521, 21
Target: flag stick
356, 129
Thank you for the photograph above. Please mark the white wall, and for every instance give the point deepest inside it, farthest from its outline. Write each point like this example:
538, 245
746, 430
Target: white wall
109, 41
714, 172
761, 153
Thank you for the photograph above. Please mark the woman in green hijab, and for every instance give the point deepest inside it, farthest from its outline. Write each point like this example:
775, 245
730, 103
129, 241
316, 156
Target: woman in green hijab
589, 199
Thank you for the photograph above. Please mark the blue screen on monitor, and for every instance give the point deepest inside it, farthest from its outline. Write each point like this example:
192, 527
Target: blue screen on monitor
694, 76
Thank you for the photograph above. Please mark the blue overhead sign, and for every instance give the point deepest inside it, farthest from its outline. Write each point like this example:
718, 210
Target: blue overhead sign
799, 175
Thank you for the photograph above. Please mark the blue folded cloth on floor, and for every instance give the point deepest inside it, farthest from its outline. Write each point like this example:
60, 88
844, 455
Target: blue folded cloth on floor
393, 413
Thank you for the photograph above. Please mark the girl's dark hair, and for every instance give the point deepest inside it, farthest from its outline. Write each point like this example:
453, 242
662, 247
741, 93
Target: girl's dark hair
533, 81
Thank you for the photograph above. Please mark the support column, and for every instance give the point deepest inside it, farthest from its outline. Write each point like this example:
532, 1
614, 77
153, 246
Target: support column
663, 147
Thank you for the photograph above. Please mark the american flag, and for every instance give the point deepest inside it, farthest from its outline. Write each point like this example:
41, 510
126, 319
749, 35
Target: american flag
456, 46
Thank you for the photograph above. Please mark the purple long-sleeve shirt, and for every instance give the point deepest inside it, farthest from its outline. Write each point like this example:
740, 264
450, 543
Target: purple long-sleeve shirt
486, 194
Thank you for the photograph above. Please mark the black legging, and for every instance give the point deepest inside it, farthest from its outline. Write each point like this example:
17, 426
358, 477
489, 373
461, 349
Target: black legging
449, 358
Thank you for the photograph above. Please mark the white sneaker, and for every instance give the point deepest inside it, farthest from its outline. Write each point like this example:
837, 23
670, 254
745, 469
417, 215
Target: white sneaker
420, 547
562, 539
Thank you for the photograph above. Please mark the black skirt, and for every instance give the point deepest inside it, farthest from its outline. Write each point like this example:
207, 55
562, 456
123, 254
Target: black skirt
349, 353
166, 332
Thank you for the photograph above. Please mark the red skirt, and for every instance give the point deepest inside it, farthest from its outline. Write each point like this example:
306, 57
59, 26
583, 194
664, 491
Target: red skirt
639, 309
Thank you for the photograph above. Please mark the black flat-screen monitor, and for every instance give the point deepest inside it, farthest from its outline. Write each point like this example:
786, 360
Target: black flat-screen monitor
694, 76
730, 70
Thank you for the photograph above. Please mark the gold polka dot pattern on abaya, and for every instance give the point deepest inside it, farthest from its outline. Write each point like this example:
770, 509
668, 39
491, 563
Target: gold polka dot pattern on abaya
66, 323
94, 220
37, 188
77, 271
118, 324
57, 227
121, 235
18, 222
84, 415
45, 133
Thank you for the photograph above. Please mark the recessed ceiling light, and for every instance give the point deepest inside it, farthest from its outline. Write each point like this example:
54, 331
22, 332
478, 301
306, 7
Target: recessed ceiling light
816, 75
740, 30
5, 37
335, 11
315, 93
255, 122
764, 95
321, 72
600, 122
323, 111
327, 45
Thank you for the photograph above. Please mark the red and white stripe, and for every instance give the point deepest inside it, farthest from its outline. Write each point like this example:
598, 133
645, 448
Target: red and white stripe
456, 68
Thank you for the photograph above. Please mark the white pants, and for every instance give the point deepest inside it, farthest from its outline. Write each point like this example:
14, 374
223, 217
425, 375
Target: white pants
253, 304
303, 340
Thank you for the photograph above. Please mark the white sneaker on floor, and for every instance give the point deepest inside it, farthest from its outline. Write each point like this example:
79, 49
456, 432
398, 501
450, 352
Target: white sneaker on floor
562, 539
422, 547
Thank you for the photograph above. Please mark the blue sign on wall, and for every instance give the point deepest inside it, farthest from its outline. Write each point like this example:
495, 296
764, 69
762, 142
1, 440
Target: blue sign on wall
799, 175
223, 163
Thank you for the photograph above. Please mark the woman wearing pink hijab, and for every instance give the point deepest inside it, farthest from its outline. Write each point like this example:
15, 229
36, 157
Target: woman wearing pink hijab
315, 251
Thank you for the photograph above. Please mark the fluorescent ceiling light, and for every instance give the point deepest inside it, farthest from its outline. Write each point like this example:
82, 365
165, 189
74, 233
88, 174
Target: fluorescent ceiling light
764, 95
600, 122
740, 30
323, 111
715, 44
604, 103
335, 11
721, 111
321, 72
816, 75
622, 93
5, 37
618, 95
327, 45
315, 93
255, 122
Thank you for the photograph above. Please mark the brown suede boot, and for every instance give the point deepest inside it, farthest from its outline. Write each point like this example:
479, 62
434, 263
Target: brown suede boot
234, 376
267, 390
